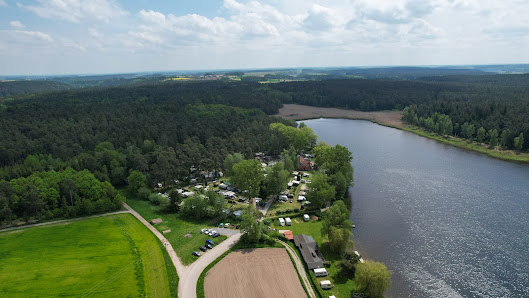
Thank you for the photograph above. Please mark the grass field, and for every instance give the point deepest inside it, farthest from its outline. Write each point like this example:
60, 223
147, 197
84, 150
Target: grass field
342, 286
179, 227
105, 256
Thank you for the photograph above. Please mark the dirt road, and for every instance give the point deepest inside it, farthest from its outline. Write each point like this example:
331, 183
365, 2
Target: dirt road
300, 268
301, 112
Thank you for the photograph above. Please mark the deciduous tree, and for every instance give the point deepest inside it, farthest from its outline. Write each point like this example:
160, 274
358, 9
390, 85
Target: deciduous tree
373, 278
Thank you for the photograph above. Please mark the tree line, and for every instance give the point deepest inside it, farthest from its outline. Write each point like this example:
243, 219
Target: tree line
51, 194
490, 134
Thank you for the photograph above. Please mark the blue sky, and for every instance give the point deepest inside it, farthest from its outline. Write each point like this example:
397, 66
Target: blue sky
112, 36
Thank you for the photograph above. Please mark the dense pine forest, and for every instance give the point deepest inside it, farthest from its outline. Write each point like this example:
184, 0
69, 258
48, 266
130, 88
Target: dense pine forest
177, 130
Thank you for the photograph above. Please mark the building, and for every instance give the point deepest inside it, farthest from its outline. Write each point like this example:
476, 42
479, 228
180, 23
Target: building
310, 251
304, 164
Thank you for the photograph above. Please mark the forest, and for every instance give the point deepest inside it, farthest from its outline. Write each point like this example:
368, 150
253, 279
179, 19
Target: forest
177, 130
492, 102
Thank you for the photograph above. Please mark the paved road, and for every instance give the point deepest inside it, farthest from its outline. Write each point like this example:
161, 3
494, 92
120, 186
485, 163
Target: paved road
187, 286
60, 221
300, 268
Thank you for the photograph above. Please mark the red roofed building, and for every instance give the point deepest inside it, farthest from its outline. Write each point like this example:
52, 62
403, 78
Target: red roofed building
304, 164
289, 235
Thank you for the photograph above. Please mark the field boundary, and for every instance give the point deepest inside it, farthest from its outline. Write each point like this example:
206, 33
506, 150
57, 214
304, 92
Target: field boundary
299, 268
61, 221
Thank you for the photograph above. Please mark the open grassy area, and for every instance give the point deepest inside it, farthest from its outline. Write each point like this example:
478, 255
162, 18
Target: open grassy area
179, 227
342, 286
105, 256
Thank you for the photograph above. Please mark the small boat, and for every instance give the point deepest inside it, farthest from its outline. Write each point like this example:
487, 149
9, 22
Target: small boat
354, 226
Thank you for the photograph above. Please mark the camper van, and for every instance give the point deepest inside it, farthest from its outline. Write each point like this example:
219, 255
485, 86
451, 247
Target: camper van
288, 221
281, 221
306, 217
326, 284
320, 272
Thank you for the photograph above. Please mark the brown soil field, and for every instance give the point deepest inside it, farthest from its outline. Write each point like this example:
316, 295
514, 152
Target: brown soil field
260, 272
301, 112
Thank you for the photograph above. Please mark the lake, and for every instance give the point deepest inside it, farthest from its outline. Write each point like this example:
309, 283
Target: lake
448, 222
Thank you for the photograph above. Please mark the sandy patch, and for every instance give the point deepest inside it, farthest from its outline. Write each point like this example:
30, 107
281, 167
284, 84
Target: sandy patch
301, 112
261, 272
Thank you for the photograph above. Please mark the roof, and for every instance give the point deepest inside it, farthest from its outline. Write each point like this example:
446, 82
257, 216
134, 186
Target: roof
288, 235
310, 251
303, 163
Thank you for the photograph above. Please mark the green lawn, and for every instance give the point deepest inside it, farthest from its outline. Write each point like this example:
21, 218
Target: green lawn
179, 227
106, 256
342, 286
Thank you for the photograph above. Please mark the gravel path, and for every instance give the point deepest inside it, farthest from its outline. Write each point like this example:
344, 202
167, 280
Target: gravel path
300, 268
188, 275
180, 268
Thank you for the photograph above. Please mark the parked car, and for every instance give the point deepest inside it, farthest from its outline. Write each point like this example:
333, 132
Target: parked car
221, 225
232, 226
227, 225
238, 226
203, 248
213, 232
203, 231
216, 235
196, 253
302, 207
210, 242
209, 246
291, 200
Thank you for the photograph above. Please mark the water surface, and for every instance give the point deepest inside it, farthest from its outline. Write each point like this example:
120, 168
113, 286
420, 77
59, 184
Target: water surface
446, 221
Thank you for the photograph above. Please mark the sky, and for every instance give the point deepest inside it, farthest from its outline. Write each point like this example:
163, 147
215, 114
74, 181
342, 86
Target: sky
120, 36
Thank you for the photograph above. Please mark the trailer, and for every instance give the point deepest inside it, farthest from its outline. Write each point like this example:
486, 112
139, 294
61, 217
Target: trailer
288, 221
281, 221
306, 217
326, 284
320, 272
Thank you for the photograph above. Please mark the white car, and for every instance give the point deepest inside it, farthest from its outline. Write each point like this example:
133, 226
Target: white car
203, 231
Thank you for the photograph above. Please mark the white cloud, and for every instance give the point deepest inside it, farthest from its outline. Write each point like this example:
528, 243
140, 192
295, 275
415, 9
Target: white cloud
77, 10
35, 35
271, 33
17, 25
3, 3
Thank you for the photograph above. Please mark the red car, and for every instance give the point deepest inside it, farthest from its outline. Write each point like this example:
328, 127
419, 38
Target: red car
232, 226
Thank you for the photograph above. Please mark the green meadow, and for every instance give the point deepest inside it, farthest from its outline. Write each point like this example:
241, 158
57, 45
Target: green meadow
106, 256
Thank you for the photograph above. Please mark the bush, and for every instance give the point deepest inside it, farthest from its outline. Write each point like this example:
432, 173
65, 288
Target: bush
267, 222
144, 193
156, 199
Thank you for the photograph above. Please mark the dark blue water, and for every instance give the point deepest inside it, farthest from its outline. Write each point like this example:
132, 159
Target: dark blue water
446, 221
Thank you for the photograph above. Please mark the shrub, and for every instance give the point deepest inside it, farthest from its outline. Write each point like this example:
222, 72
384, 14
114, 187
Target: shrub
144, 193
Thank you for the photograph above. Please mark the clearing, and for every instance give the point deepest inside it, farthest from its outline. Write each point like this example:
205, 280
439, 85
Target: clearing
113, 255
260, 272
301, 112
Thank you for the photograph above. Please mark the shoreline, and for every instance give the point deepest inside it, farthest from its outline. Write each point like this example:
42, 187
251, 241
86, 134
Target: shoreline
389, 119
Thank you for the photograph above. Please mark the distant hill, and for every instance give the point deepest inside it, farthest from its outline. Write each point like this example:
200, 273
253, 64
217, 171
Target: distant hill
8, 88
